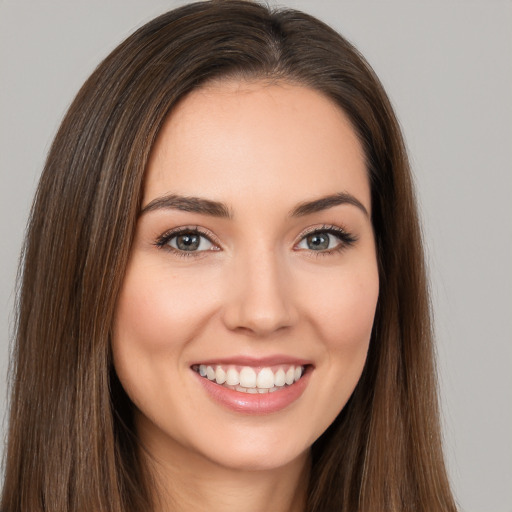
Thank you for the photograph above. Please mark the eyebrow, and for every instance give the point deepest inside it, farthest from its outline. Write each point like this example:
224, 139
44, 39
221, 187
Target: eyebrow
327, 202
189, 204
218, 209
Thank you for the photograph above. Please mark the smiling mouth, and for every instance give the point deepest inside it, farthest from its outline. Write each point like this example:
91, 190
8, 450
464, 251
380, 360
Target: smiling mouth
247, 379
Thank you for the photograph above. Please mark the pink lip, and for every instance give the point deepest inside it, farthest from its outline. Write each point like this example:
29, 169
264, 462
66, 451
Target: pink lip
247, 403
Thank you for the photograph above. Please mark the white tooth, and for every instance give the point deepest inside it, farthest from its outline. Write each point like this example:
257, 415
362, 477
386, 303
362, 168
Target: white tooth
272, 390
280, 378
220, 375
290, 375
232, 377
247, 377
265, 379
210, 373
298, 373
262, 390
202, 370
252, 390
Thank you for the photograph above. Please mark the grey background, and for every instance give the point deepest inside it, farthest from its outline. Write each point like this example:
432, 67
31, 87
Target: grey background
447, 66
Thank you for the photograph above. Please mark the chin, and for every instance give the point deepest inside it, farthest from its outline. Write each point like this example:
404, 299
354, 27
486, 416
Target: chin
245, 457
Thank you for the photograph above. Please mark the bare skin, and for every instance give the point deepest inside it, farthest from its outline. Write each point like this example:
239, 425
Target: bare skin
254, 251
203, 486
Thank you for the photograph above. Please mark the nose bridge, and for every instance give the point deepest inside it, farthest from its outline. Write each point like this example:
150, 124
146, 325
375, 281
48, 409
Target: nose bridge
260, 298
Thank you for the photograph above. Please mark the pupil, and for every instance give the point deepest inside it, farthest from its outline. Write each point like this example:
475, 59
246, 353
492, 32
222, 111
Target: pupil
187, 242
317, 241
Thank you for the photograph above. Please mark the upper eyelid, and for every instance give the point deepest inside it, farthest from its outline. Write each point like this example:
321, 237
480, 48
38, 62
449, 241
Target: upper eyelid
324, 228
173, 232
210, 236
345, 237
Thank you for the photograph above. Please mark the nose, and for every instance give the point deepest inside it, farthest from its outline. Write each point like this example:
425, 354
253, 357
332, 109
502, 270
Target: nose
259, 296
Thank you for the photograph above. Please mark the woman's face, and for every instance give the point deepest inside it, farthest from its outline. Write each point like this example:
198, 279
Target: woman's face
245, 314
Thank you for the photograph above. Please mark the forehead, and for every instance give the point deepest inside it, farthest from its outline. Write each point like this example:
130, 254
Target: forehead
237, 141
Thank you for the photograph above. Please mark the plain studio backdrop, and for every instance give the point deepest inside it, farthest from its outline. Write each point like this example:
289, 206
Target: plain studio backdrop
447, 66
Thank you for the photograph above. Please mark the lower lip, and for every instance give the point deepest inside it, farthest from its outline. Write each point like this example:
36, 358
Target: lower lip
256, 403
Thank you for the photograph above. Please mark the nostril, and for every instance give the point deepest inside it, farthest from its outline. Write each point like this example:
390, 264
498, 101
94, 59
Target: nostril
248, 319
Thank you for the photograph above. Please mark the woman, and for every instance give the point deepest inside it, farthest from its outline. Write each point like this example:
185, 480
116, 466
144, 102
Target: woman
223, 302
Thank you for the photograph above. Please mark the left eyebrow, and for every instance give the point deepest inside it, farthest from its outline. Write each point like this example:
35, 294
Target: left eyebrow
324, 203
188, 204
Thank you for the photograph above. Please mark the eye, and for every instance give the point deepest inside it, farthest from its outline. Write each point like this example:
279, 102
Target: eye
319, 241
327, 239
186, 241
190, 242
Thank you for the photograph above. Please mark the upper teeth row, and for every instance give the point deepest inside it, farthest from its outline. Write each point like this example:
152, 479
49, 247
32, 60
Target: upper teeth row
248, 378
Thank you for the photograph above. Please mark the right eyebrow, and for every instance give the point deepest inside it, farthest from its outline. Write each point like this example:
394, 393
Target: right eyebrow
324, 203
188, 204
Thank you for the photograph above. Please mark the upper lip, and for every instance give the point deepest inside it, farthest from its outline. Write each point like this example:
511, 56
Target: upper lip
255, 361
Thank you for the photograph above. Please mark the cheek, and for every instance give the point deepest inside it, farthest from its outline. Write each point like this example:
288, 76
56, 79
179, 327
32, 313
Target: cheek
157, 315
158, 311
348, 333
346, 325
342, 315
344, 309
353, 313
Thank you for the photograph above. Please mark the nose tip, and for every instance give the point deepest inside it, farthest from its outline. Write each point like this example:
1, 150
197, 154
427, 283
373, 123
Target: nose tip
259, 322
260, 301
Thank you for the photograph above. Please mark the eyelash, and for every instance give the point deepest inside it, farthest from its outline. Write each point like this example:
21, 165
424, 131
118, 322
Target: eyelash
346, 239
162, 242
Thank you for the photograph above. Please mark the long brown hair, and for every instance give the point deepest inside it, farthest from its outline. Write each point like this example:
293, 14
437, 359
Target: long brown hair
72, 445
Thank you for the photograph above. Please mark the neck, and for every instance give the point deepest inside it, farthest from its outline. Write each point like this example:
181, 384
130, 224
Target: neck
185, 481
